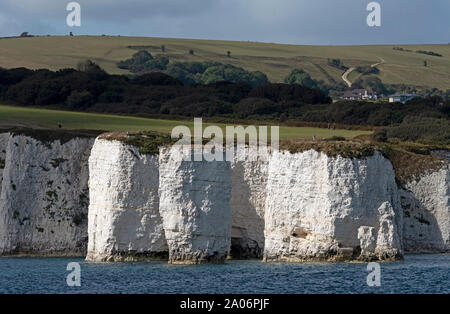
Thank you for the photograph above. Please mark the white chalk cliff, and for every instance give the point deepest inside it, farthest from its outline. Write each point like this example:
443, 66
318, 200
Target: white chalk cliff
124, 219
248, 203
44, 196
195, 207
286, 207
325, 208
426, 210
4, 138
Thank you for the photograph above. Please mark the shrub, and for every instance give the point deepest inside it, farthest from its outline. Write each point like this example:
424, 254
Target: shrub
418, 129
213, 72
366, 70
137, 62
371, 83
430, 53
300, 77
336, 139
380, 135
149, 142
158, 63
230, 73
337, 63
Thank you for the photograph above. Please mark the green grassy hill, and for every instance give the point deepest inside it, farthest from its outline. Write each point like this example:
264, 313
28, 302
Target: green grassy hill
276, 60
49, 119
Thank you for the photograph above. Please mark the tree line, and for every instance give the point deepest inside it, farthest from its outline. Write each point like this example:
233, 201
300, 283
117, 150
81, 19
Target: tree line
89, 88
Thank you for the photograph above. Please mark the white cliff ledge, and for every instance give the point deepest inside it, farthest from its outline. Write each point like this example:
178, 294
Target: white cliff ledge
301, 206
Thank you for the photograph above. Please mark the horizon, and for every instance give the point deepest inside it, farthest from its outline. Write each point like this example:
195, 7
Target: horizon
226, 40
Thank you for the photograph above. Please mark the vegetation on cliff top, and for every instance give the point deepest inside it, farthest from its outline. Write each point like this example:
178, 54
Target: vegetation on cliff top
424, 130
332, 148
46, 136
148, 142
409, 160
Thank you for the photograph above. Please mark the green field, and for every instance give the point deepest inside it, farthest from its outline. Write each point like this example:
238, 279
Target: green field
276, 60
49, 119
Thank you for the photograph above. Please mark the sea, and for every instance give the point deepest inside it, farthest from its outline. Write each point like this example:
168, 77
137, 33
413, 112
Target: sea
415, 274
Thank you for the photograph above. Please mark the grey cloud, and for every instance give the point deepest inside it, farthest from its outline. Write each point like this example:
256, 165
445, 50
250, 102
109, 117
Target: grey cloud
290, 21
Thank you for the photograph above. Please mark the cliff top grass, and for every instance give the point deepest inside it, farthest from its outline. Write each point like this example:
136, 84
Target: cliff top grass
413, 160
148, 142
11, 116
48, 136
409, 160
332, 147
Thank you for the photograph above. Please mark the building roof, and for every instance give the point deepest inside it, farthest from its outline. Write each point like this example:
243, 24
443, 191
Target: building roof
357, 92
405, 95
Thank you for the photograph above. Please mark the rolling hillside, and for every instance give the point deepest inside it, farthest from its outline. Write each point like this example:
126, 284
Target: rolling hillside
276, 60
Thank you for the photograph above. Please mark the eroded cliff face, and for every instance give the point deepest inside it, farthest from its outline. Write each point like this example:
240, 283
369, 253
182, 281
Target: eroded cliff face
195, 207
4, 138
44, 196
280, 207
124, 219
248, 200
325, 208
426, 206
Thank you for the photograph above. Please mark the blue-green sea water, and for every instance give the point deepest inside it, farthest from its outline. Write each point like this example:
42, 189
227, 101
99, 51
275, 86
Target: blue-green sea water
416, 274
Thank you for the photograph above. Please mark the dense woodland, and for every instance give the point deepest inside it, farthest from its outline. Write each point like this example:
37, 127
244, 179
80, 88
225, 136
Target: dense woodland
91, 89
143, 62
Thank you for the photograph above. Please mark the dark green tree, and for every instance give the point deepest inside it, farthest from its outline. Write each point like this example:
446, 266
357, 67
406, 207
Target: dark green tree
298, 76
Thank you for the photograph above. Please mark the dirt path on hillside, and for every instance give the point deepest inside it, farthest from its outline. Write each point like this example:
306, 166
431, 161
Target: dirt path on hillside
347, 73
345, 77
378, 63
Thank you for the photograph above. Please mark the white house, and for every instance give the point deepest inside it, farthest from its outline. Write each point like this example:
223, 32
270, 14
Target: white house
360, 94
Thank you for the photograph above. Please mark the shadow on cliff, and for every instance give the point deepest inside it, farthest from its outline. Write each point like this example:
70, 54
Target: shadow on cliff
247, 234
421, 230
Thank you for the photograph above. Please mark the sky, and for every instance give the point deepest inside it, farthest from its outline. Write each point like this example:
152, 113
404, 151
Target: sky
311, 22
